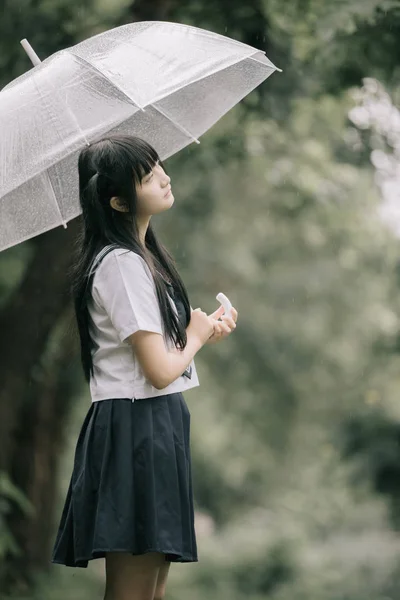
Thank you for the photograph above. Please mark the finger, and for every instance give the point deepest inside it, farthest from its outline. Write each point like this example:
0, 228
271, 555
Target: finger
220, 332
231, 315
229, 321
216, 314
225, 328
217, 326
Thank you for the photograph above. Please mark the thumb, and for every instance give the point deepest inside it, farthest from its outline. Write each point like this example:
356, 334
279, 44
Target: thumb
220, 311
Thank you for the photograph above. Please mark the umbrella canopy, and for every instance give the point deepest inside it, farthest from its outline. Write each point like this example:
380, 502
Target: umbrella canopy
164, 82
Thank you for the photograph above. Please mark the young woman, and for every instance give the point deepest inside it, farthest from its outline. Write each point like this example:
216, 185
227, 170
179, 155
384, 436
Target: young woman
130, 496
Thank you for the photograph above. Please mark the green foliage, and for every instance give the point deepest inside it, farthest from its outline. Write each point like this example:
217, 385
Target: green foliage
49, 25
299, 248
295, 426
11, 498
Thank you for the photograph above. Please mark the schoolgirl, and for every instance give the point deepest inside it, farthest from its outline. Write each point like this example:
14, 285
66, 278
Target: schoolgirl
130, 496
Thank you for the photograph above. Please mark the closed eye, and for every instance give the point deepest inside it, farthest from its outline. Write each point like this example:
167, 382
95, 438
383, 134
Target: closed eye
151, 174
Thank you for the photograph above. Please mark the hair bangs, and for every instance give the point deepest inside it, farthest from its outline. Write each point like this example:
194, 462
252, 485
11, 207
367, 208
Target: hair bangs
144, 158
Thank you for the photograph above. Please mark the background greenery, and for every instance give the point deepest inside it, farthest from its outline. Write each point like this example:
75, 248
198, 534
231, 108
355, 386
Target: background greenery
296, 424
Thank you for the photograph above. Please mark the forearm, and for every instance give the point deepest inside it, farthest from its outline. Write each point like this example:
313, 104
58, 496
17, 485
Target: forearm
179, 360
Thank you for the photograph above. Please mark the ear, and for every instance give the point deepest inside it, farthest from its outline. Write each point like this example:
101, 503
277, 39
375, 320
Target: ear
117, 204
114, 202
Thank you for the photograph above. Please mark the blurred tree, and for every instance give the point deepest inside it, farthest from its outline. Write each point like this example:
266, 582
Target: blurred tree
313, 252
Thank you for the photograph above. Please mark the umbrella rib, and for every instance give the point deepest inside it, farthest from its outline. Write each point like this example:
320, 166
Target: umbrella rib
176, 124
45, 174
253, 57
85, 61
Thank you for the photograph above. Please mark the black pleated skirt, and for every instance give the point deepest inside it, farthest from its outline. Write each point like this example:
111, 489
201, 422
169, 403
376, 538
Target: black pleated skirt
131, 485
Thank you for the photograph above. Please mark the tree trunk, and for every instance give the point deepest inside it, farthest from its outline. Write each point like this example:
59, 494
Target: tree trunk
26, 323
38, 444
33, 403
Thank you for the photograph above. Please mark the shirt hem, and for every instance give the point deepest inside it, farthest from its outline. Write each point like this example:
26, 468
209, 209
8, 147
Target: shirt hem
142, 393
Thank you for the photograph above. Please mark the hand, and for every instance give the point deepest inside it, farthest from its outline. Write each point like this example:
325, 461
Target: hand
224, 327
201, 325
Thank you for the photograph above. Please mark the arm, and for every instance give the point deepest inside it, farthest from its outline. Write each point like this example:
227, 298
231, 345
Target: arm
159, 366
124, 288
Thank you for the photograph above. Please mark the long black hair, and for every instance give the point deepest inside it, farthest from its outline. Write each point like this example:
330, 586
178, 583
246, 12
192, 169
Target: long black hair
111, 167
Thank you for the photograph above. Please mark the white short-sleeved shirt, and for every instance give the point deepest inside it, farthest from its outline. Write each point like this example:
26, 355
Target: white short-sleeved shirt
123, 301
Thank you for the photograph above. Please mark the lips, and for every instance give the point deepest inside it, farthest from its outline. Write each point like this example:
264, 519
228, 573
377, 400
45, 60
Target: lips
169, 191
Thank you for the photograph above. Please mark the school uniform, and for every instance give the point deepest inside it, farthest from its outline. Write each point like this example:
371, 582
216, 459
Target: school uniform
131, 485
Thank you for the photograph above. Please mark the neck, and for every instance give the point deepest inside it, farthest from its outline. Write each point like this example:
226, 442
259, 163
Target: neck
142, 225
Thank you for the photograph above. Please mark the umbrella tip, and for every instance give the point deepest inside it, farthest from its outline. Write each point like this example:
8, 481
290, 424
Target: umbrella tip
30, 52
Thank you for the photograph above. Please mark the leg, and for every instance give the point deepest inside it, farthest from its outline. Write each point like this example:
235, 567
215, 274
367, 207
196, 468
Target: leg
162, 581
130, 577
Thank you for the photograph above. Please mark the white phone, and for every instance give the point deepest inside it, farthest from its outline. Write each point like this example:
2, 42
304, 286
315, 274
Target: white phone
226, 303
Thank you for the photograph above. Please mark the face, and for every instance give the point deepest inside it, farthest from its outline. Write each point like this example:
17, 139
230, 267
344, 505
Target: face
153, 194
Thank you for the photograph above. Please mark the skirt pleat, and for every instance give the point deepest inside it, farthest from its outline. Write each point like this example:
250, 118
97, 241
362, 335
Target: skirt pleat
131, 485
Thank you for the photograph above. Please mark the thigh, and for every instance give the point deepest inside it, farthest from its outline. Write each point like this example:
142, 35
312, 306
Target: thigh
132, 577
162, 580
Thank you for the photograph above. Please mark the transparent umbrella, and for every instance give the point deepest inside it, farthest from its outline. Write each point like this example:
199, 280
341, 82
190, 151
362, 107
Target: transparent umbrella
165, 82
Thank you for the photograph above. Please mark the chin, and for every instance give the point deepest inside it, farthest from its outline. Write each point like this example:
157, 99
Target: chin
166, 205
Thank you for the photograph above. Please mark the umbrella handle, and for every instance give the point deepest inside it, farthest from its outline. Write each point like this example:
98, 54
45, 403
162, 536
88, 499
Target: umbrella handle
30, 52
226, 303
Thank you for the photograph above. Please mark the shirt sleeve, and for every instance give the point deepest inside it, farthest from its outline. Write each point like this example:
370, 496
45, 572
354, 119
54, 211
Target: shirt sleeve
124, 287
